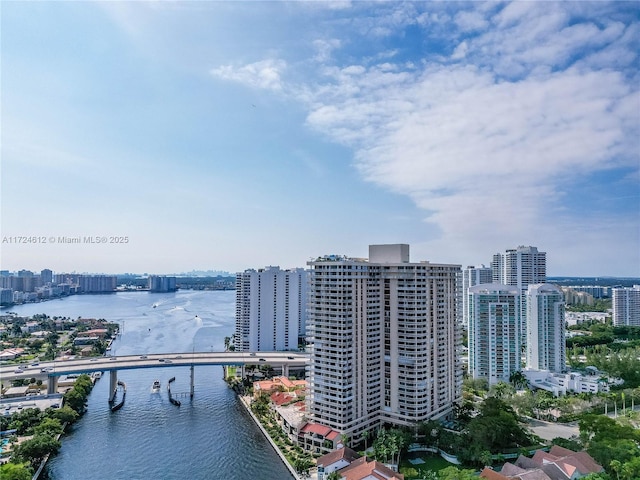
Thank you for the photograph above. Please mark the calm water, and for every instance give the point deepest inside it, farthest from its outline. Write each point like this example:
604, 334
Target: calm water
209, 438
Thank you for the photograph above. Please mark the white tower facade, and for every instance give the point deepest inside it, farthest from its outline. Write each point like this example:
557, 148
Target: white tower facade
494, 331
545, 328
270, 309
472, 276
521, 266
383, 340
626, 306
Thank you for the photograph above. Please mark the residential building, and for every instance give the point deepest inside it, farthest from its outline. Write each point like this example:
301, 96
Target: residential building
364, 469
46, 276
336, 460
520, 266
472, 276
270, 309
558, 464
97, 283
6, 296
626, 306
494, 337
161, 283
545, 328
562, 383
383, 340
351, 466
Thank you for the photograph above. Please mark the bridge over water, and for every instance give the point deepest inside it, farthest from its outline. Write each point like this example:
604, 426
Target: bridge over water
55, 369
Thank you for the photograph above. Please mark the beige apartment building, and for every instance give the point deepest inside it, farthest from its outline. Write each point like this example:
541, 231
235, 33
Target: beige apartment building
384, 340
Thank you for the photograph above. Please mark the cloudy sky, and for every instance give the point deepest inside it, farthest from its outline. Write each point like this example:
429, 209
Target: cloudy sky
234, 135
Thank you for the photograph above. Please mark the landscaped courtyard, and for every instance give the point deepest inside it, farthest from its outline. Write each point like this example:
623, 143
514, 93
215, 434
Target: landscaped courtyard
418, 464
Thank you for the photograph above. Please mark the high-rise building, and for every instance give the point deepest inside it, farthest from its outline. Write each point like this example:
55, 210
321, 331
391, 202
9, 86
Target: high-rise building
6, 296
97, 283
161, 283
46, 276
494, 336
270, 309
521, 267
383, 340
472, 276
545, 325
626, 306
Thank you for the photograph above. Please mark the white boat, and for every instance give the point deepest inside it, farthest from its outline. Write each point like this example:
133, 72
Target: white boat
155, 388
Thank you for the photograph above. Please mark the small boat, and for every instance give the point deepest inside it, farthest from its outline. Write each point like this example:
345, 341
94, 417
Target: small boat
155, 388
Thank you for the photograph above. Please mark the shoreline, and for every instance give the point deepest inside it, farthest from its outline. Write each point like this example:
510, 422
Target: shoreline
247, 407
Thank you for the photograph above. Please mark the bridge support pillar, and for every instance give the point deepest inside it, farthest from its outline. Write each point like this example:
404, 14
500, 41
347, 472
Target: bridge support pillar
285, 370
113, 385
52, 384
191, 386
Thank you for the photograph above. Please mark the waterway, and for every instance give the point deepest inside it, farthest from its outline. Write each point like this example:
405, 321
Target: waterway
149, 438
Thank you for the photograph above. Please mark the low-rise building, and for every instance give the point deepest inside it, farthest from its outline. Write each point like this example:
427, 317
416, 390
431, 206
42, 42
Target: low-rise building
562, 383
336, 460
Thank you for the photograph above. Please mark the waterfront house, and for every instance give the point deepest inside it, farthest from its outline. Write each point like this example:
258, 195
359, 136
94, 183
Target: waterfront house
336, 460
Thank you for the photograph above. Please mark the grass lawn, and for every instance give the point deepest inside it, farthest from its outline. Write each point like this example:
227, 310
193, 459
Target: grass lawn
432, 463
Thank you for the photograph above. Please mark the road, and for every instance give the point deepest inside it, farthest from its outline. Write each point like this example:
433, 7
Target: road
157, 360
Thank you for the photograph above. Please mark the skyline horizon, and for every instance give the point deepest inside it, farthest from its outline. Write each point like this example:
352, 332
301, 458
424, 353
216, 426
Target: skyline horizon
236, 134
194, 272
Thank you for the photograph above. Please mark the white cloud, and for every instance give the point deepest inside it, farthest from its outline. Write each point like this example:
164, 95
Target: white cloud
325, 48
265, 74
487, 146
469, 21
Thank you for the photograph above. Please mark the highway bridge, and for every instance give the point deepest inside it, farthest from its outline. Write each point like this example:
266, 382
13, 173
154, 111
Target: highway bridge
111, 364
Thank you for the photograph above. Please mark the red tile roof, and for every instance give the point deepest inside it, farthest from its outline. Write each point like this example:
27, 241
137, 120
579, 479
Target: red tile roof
345, 454
361, 469
316, 428
332, 435
492, 474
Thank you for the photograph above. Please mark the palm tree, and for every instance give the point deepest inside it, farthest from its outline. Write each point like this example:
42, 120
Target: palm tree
518, 380
365, 436
485, 458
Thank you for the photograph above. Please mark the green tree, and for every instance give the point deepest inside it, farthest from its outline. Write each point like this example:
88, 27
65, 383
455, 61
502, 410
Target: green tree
48, 426
496, 427
35, 449
16, 471
518, 380
65, 414
454, 473
75, 399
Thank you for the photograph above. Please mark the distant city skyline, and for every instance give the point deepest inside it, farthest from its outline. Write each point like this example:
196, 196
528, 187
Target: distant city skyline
165, 137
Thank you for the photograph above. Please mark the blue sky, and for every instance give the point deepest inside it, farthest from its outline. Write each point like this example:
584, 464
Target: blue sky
234, 135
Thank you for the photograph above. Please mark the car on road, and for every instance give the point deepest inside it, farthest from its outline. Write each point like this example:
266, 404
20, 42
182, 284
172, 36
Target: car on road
253, 354
94, 359
290, 358
46, 369
168, 361
144, 357
112, 358
18, 370
35, 364
262, 360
